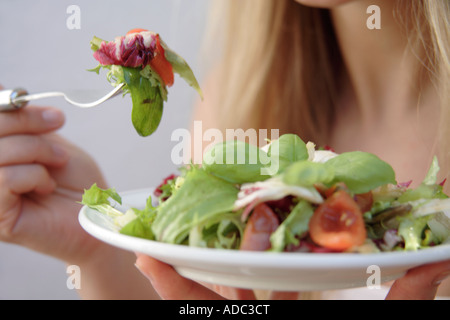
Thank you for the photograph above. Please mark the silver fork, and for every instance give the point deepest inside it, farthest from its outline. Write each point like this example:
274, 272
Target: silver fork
19, 98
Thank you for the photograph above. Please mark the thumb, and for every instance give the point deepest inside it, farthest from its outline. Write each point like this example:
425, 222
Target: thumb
420, 283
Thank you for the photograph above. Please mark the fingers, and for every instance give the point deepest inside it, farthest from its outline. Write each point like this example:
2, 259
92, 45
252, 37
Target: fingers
235, 293
23, 149
280, 295
22, 179
23, 139
17, 180
169, 284
420, 283
30, 120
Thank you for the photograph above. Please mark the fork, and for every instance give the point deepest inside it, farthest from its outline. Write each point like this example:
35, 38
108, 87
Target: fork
19, 98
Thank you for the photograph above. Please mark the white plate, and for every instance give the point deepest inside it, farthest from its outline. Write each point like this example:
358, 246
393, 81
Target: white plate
263, 270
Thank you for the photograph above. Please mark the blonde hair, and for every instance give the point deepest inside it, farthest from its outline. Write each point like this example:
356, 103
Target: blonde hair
281, 64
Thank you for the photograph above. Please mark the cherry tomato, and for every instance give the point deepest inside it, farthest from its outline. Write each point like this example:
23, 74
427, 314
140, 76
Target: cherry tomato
338, 223
161, 66
261, 224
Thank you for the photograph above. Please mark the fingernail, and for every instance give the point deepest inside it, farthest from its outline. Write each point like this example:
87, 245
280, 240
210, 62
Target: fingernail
441, 278
53, 117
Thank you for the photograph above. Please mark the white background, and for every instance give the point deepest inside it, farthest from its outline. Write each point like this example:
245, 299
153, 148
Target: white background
38, 52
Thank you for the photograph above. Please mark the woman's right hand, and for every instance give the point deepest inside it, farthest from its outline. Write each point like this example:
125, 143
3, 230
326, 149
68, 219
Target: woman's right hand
42, 180
42, 176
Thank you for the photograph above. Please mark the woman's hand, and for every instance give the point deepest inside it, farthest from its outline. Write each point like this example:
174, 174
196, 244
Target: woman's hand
171, 286
42, 176
420, 283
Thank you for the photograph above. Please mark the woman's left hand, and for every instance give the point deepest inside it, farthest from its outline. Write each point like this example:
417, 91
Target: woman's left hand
171, 286
420, 283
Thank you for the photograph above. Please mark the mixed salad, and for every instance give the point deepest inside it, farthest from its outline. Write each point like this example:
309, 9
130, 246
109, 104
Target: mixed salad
316, 201
144, 63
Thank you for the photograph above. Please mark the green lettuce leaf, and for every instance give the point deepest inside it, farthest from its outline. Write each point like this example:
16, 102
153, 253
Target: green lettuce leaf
181, 67
222, 232
99, 199
296, 223
428, 189
412, 231
200, 198
431, 177
141, 226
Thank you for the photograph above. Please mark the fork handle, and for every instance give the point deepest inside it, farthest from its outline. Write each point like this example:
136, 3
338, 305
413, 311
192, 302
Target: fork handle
7, 98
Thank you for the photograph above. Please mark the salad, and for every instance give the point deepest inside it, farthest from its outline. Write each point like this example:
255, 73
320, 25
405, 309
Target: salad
144, 63
316, 201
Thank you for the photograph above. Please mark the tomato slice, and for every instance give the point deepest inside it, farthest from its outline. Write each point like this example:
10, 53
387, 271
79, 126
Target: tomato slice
338, 223
137, 30
261, 224
161, 66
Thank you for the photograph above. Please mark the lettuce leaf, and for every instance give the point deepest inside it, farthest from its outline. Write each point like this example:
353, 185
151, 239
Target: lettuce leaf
141, 226
428, 189
412, 231
200, 199
98, 199
181, 67
296, 223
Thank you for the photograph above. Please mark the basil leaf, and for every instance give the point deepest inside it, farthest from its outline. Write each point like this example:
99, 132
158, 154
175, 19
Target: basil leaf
147, 102
306, 174
236, 162
289, 148
361, 171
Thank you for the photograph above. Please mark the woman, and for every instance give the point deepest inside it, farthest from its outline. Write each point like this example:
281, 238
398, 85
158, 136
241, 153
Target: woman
320, 73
